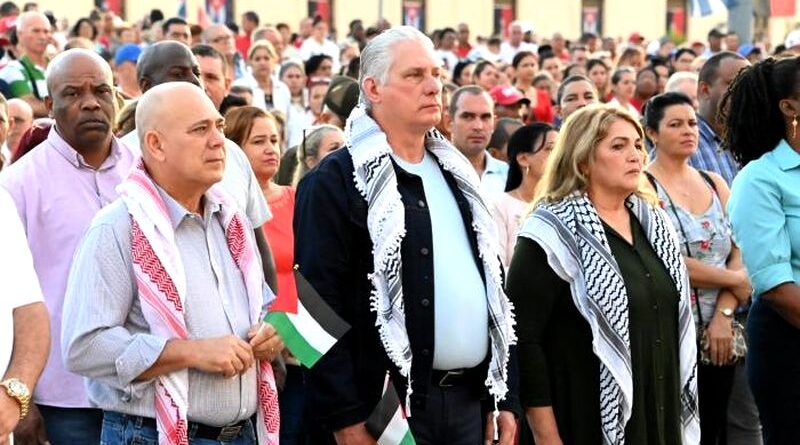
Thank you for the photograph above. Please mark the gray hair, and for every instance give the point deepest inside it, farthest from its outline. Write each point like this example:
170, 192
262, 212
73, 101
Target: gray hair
678, 78
376, 59
310, 148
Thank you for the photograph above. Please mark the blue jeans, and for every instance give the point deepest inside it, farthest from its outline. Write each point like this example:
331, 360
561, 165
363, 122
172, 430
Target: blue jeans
71, 426
122, 429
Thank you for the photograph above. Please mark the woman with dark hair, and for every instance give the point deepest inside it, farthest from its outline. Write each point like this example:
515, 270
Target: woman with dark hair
623, 87
526, 67
760, 112
597, 71
84, 28
606, 344
319, 65
646, 87
462, 73
695, 202
528, 150
485, 75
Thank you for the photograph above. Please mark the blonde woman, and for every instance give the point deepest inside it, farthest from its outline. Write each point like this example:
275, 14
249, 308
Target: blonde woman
269, 93
607, 349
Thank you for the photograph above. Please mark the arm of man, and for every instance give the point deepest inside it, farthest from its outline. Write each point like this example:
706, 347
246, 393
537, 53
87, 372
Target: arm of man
322, 252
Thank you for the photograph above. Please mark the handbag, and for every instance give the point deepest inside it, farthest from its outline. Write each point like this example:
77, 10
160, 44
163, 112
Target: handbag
739, 343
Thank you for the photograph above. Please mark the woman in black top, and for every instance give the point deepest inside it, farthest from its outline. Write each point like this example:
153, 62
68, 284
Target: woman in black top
606, 341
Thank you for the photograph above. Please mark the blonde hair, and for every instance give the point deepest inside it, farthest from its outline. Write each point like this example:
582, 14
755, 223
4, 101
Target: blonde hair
263, 44
576, 146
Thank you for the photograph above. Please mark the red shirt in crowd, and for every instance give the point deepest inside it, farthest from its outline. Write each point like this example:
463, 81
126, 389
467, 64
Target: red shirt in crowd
280, 235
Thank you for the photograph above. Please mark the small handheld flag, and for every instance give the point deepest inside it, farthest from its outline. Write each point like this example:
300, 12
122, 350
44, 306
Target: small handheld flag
388, 423
313, 329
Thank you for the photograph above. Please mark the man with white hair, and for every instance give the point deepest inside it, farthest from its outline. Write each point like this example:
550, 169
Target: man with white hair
509, 48
397, 239
684, 82
25, 77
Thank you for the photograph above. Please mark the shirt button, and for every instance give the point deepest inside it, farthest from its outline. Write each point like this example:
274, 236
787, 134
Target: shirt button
424, 251
658, 342
426, 352
421, 204
661, 377
655, 307
425, 302
648, 275
661, 408
426, 278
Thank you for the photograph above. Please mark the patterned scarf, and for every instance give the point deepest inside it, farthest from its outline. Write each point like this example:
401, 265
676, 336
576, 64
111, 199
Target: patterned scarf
161, 283
571, 233
375, 178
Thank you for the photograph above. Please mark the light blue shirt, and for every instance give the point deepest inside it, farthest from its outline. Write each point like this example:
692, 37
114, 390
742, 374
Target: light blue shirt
461, 335
764, 210
493, 179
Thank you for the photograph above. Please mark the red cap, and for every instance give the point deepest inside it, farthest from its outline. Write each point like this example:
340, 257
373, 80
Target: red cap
7, 23
507, 95
635, 37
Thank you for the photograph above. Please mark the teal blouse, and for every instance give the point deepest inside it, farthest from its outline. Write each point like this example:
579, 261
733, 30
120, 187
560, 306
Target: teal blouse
764, 211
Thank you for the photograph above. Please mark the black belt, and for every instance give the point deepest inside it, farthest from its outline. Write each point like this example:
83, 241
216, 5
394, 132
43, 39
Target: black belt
218, 433
454, 377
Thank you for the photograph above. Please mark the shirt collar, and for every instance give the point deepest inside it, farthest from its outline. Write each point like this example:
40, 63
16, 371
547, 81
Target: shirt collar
493, 165
786, 157
76, 159
177, 212
707, 130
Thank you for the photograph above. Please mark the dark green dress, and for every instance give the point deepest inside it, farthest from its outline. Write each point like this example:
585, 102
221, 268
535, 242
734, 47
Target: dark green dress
557, 365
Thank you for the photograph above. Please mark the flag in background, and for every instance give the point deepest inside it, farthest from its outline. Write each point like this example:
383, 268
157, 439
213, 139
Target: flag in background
312, 328
783, 8
388, 423
182, 9
709, 7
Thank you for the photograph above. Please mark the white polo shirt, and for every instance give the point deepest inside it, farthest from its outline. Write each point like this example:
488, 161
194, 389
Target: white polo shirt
19, 285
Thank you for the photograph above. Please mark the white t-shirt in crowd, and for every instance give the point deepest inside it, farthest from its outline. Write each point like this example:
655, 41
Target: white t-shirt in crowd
19, 285
461, 317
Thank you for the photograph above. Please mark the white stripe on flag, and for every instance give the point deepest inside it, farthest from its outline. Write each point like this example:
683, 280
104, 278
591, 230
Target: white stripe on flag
317, 337
395, 431
708, 7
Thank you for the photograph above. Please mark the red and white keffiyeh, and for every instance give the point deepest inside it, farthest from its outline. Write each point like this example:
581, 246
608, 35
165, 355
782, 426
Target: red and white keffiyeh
161, 283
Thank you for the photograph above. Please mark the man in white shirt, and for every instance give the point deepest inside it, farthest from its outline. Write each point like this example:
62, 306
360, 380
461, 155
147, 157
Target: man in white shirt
318, 43
472, 114
510, 48
24, 323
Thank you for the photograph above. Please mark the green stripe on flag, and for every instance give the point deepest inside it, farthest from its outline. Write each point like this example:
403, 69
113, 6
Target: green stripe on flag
408, 439
297, 344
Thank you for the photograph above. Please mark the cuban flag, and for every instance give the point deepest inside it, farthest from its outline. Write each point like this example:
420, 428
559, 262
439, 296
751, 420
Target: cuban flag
709, 7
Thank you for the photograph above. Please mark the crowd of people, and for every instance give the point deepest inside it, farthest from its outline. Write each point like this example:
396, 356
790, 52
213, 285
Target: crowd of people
536, 240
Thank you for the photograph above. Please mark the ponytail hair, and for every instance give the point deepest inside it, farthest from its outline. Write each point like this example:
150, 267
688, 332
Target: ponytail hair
527, 139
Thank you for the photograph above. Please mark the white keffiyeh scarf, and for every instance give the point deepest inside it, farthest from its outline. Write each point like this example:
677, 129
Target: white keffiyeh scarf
375, 179
572, 235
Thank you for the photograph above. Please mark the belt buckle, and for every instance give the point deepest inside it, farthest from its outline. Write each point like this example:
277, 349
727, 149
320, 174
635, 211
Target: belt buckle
443, 380
228, 433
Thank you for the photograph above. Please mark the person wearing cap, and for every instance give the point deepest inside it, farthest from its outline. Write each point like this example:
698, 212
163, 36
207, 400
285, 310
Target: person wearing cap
125, 70
473, 119
635, 38
750, 52
508, 101
715, 37
792, 42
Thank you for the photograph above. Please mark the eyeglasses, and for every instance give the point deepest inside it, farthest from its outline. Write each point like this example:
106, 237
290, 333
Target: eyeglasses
221, 39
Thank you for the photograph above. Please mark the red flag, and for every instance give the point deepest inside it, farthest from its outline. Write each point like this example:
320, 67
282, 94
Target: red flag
783, 8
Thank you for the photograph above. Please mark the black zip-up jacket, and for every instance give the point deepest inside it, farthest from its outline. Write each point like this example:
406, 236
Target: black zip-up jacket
334, 252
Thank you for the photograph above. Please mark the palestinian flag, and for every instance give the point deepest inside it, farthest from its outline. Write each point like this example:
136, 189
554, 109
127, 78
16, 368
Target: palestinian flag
388, 423
312, 329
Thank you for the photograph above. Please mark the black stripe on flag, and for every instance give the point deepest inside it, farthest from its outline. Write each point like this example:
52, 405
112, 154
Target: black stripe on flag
382, 415
318, 308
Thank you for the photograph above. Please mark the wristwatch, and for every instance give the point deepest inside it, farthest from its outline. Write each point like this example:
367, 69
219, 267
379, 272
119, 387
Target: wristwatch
19, 391
728, 312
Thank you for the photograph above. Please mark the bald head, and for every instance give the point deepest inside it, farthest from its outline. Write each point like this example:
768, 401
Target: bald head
66, 63
33, 32
167, 61
183, 151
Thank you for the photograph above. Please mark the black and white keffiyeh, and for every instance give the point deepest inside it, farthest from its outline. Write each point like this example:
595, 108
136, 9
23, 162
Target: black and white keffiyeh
571, 233
375, 179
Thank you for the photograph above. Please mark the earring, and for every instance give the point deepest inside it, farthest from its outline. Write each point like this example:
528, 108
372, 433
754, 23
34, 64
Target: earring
794, 127
527, 170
